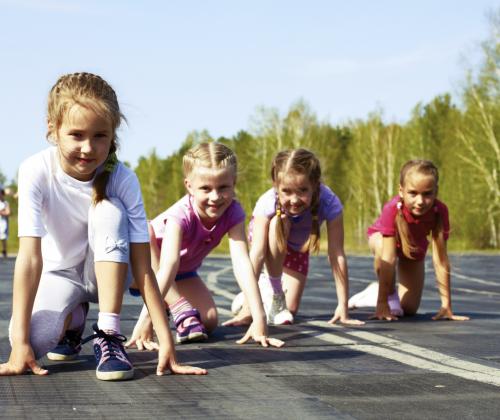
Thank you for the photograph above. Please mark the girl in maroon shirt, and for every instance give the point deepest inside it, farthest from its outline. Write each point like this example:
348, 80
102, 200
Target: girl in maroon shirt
398, 240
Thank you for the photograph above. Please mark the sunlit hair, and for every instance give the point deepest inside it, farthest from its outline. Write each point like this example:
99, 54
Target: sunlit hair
212, 155
92, 92
300, 162
426, 168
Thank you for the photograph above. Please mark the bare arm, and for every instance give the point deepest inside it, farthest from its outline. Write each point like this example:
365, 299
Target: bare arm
385, 276
442, 269
244, 273
338, 263
144, 276
26, 280
167, 263
258, 249
247, 281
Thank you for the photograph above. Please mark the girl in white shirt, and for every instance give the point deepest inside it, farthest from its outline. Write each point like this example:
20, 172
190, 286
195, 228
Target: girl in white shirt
81, 226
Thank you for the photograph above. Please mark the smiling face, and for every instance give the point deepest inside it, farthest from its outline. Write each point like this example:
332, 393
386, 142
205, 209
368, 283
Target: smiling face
418, 193
83, 140
212, 191
295, 192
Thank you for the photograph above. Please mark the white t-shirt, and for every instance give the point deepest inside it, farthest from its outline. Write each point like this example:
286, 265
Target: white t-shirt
54, 206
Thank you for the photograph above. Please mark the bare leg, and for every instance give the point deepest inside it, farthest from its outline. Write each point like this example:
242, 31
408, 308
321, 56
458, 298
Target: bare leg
197, 294
293, 285
111, 279
411, 284
368, 296
275, 258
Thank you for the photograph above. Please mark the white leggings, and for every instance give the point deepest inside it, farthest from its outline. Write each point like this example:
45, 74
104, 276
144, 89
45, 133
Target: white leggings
60, 292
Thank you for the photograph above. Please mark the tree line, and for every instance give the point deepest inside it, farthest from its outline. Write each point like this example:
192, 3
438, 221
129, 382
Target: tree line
361, 158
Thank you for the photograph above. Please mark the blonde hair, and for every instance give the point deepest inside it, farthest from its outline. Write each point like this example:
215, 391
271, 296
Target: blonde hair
423, 167
303, 162
92, 92
211, 155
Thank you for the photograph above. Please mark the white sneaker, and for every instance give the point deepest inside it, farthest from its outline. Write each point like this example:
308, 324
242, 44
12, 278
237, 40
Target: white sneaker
274, 304
237, 303
277, 312
366, 298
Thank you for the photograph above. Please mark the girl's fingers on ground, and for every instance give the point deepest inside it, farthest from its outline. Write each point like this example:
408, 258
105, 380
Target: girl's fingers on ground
275, 342
459, 318
187, 370
353, 322
245, 338
162, 366
36, 369
5, 369
151, 345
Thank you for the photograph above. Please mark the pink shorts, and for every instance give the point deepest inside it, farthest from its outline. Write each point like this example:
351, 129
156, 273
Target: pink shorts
297, 261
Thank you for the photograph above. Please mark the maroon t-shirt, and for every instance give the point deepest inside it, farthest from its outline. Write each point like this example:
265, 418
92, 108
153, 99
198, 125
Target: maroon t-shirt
419, 227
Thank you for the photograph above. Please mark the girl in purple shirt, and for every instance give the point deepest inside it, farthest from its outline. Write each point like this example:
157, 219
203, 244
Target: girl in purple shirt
398, 240
192, 227
285, 227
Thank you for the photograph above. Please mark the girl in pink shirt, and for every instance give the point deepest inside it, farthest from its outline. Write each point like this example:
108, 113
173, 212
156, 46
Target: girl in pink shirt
398, 240
183, 235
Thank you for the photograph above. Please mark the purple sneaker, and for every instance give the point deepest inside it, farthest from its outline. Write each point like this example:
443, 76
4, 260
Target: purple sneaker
189, 327
113, 363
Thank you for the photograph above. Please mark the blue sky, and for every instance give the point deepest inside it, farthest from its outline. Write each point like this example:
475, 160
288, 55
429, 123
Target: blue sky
195, 65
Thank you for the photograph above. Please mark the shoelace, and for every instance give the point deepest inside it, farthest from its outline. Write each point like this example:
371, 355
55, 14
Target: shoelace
110, 344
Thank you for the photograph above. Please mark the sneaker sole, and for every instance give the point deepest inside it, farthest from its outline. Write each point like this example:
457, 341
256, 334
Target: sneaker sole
61, 357
199, 336
115, 376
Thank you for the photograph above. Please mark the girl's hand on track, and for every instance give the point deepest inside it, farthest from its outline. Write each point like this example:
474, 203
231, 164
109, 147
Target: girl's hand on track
446, 313
383, 313
21, 359
168, 361
238, 320
143, 338
342, 315
261, 338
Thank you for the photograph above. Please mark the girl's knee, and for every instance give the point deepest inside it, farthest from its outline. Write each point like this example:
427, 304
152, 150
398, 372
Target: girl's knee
409, 310
409, 306
210, 320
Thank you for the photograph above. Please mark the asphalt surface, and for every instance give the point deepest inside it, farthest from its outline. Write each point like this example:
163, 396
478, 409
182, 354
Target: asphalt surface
409, 369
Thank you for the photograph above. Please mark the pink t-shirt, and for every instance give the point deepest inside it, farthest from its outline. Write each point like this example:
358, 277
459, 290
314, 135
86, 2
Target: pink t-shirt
329, 208
197, 240
419, 227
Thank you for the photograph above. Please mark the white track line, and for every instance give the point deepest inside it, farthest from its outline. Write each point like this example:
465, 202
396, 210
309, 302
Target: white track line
476, 280
415, 356
388, 347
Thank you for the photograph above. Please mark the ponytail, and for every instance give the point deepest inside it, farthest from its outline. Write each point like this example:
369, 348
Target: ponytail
280, 229
102, 178
313, 243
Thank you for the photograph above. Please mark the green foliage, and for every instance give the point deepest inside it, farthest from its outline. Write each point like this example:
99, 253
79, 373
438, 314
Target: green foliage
361, 159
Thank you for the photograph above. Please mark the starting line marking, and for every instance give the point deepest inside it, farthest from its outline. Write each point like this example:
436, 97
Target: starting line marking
386, 347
